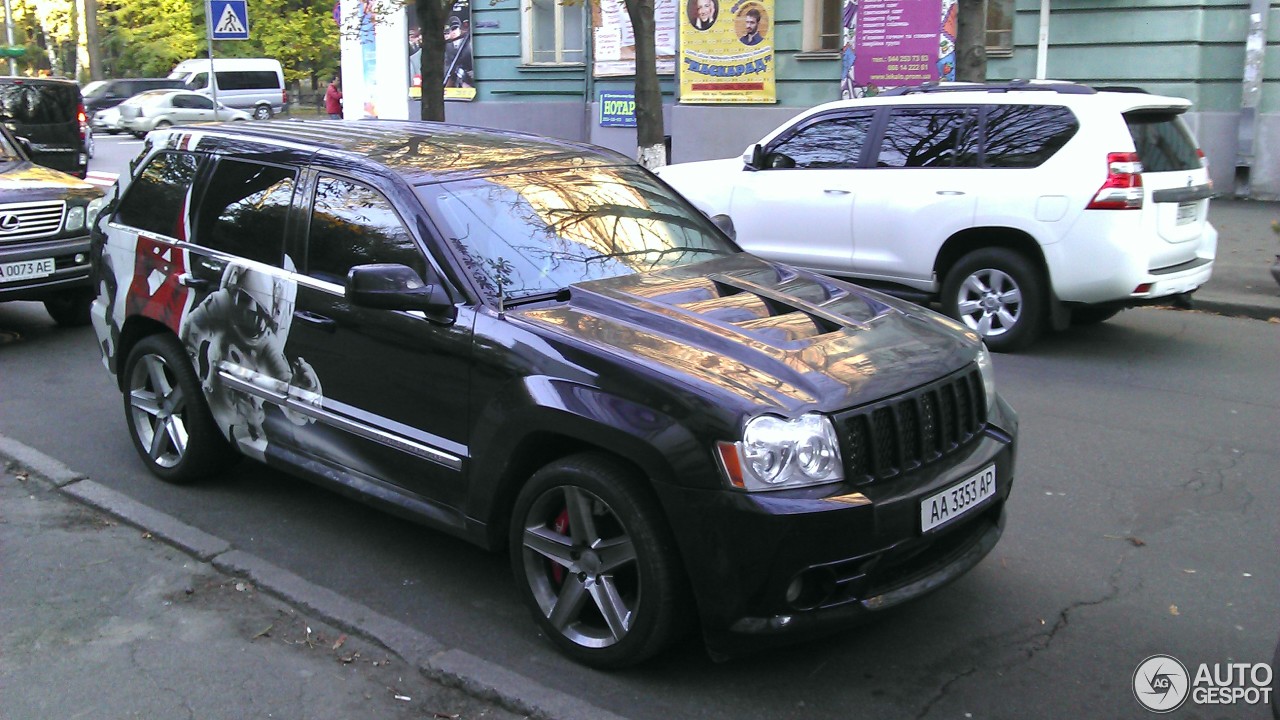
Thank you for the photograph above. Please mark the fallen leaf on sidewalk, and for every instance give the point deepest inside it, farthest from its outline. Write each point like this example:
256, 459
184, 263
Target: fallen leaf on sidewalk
146, 536
263, 631
338, 643
1173, 610
22, 476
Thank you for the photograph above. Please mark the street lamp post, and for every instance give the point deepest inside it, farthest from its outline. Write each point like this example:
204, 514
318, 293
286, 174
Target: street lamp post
8, 28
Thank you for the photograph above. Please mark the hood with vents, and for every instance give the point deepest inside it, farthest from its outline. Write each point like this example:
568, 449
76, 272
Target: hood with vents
762, 334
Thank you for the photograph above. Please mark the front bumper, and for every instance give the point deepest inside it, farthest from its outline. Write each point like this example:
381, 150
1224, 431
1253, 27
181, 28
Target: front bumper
853, 551
71, 267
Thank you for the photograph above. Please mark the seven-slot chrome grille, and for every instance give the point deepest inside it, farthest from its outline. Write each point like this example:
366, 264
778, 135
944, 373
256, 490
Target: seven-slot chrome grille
907, 431
25, 221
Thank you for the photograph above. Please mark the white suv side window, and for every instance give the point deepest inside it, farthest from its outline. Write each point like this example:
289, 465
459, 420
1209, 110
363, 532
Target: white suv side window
1024, 136
929, 137
828, 143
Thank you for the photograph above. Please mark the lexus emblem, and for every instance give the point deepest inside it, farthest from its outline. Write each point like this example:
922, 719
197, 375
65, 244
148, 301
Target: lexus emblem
9, 222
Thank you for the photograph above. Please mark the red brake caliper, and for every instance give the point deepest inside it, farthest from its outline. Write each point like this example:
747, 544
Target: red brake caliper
561, 525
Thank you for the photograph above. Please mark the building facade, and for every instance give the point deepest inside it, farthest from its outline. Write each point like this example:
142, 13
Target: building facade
542, 66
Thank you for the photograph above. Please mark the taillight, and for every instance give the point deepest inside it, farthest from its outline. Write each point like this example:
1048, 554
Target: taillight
82, 119
1123, 187
284, 97
1204, 159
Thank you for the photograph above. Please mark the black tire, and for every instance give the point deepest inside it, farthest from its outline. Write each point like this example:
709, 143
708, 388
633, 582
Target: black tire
998, 294
69, 308
262, 112
138, 135
585, 530
113, 132
1086, 315
161, 392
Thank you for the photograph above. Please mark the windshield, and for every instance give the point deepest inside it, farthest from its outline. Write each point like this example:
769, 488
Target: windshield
533, 233
94, 88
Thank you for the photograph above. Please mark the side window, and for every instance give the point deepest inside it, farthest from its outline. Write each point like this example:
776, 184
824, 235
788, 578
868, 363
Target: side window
199, 81
832, 143
1023, 136
181, 101
200, 103
929, 137
244, 210
353, 224
156, 198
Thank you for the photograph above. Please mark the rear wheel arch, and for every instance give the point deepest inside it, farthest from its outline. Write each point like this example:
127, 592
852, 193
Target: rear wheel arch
970, 239
135, 329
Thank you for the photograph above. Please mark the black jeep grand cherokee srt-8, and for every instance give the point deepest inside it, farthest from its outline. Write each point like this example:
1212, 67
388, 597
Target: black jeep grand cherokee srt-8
537, 345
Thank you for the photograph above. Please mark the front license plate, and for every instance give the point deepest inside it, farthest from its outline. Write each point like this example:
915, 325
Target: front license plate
943, 507
26, 270
1187, 212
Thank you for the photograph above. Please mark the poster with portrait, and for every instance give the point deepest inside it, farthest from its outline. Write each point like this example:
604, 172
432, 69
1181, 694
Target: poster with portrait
459, 63
726, 52
892, 43
613, 50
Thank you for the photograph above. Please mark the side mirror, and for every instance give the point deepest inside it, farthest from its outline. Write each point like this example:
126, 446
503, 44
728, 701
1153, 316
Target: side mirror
25, 144
391, 286
753, 158
725, 223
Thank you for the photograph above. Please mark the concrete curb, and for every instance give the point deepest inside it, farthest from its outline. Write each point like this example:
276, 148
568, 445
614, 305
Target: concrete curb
448, 666
1234, 309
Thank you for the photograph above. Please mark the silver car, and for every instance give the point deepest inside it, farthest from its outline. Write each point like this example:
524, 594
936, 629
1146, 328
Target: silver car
155, 109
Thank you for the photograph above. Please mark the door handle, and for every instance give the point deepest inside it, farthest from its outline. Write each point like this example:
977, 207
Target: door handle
950, 192
188, 280
320, 321
835, 191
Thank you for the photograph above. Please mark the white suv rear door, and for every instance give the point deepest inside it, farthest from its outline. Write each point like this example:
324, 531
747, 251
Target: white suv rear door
1175, 183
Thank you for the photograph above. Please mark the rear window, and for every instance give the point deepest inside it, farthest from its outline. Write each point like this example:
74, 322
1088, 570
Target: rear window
157, 197
1164, 144
39, 103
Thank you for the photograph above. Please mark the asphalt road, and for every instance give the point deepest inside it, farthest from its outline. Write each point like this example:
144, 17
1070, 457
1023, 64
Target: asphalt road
1142, 521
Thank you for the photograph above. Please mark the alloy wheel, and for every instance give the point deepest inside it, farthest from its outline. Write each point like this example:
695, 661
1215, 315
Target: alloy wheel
989, 302
158, 407
581, 566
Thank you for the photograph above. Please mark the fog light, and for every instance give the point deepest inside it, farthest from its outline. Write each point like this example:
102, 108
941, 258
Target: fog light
794, 589
81, 258
810, 588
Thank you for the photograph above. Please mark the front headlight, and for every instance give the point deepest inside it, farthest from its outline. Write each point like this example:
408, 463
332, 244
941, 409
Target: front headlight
779, 453
75, 218
988, 376
95, 209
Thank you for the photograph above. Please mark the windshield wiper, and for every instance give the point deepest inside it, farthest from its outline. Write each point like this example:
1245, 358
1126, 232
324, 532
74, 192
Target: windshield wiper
560, 295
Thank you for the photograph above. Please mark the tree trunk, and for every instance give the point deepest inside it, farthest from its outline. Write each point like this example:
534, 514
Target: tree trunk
650, 136
431, 17
73, 72
971, 41
91, 39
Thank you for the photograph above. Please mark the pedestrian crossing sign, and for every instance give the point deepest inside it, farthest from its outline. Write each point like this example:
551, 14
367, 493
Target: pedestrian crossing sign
230, 19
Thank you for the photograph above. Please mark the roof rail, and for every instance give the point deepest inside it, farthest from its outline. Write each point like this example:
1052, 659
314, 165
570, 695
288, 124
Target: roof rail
1065, 88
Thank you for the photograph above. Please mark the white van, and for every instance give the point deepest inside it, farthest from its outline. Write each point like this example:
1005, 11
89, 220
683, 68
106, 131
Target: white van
255, 85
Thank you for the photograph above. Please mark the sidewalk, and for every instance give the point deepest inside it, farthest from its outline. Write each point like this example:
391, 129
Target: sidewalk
1242, 283
99, 619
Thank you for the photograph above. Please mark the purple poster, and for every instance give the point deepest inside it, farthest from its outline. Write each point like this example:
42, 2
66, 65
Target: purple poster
896, 42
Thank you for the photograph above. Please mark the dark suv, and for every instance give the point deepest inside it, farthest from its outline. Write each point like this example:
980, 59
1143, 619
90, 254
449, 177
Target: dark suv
537, 345
45, 217
49, 114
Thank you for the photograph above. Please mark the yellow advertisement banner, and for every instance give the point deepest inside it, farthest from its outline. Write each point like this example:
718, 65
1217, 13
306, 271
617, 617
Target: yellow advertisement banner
726, 52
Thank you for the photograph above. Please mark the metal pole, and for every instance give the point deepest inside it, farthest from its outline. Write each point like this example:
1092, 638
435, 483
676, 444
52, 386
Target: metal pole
1255, 46
1042, 45
213, 78
8, 28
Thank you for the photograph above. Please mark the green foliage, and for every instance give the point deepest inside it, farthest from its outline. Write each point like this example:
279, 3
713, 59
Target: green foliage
146, 38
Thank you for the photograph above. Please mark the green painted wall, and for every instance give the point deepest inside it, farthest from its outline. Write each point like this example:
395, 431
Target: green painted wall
1188, 49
